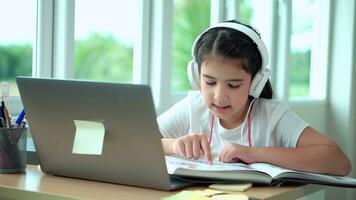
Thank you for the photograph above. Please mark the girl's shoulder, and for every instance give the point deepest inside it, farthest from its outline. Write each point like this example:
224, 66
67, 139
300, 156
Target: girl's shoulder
196, 103
271, 106
195, 98
194, 93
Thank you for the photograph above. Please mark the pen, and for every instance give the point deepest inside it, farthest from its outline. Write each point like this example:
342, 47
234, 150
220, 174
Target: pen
20, 118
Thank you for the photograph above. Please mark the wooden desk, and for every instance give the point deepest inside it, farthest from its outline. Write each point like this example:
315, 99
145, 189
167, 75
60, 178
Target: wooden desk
34, 184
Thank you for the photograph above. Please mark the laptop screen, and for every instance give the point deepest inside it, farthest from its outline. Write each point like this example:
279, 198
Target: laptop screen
95, 130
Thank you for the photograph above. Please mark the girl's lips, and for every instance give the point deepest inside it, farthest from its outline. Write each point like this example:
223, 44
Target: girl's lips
221, 109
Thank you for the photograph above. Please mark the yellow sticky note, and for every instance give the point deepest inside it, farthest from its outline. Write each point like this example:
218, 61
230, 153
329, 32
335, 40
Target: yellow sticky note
187, 195
230, 197
208, 192
231, 187
89, 137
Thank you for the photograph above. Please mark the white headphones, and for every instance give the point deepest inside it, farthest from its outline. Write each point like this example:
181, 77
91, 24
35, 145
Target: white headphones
261, 77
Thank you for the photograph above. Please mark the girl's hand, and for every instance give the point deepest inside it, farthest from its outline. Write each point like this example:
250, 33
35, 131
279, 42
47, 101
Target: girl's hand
236, 153
192, 146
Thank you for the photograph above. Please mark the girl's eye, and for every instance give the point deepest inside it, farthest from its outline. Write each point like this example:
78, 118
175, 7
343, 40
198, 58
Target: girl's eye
234, 86
210, 82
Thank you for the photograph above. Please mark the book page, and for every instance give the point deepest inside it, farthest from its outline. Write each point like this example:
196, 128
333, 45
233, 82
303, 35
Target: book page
174, 163
269, 169
256, 172
320, 178
289, 174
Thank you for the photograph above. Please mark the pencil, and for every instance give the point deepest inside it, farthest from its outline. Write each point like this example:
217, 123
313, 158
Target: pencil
2, 109
7, 118
5, 114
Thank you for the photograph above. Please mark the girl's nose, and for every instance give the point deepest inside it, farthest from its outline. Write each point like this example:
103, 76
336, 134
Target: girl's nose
221, 95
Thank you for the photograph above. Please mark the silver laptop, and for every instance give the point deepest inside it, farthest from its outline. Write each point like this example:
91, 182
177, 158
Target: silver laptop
97, 131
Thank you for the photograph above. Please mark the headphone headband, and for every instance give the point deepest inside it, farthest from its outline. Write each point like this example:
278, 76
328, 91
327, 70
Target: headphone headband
244, 29
260, 78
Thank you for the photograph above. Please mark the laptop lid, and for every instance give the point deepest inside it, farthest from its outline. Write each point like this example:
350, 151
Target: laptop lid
95, 130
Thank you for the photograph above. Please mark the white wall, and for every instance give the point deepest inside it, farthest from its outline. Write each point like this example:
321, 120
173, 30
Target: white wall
313, 112
342, 87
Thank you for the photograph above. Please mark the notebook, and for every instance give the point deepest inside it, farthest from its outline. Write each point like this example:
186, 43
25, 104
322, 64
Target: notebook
96, 131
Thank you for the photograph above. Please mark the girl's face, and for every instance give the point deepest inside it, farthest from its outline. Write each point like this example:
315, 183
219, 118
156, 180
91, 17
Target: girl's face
225, 87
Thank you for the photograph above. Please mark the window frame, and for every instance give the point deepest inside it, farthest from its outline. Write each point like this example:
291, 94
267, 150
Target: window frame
15, 102
318, 66
54, 45
312, 110
220, 10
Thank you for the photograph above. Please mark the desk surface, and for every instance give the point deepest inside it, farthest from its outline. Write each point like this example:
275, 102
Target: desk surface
34, 184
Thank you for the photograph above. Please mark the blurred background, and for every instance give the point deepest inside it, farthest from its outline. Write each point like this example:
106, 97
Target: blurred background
311, 45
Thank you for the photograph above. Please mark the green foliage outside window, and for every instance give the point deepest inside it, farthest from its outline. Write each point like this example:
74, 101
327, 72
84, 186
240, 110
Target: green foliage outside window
190, 18
300, 73
246, 12
15, 60
103, 57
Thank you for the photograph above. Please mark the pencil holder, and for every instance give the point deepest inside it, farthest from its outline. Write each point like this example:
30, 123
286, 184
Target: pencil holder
13, 150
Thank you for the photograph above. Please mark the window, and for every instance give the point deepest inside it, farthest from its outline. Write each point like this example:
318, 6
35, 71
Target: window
106, 33
16, 38
257, 14
306, 73
246, 11
104, 36
190, 18
301, 41
306, 52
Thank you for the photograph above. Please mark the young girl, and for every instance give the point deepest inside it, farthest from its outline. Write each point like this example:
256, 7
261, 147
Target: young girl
232, 118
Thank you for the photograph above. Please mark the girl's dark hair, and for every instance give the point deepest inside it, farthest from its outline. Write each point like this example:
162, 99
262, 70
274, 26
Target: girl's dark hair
232, 44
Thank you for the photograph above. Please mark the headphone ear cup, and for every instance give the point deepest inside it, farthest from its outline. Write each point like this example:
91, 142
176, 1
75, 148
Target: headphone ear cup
193, 75
259, 82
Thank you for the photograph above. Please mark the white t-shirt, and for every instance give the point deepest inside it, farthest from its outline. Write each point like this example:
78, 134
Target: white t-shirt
273, 124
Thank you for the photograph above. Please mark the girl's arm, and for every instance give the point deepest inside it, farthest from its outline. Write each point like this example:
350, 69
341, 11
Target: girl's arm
314, 153
167, 144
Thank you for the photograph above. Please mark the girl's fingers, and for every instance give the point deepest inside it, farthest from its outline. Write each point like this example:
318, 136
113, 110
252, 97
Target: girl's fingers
228, 157
180, 149
206, 149
188, 149
196, 149
222, 155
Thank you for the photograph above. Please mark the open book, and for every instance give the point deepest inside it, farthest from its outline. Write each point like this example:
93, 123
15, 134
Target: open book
260, 173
